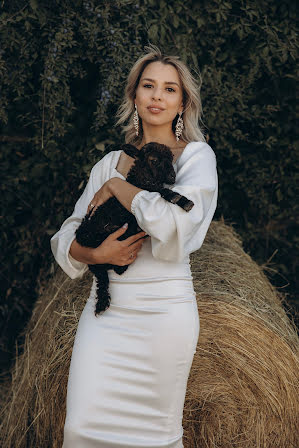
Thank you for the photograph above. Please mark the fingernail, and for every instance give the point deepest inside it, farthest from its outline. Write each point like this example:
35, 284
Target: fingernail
125, 225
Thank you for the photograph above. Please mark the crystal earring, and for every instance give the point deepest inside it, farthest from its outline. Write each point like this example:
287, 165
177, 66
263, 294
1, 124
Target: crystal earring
136, 120
179, 127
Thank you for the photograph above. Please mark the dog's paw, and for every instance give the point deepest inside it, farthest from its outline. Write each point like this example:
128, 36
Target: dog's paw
188, 206
175, 198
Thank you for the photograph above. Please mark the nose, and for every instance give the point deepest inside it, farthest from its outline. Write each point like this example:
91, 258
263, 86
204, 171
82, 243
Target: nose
171, 178
156, 94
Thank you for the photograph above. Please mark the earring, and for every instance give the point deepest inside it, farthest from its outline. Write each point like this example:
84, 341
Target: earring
136, 120
179, 127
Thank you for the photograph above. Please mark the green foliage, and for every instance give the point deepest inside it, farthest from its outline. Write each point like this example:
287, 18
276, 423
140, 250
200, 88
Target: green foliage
63, 67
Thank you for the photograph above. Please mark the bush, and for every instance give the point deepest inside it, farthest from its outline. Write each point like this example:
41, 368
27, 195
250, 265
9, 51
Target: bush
63, 68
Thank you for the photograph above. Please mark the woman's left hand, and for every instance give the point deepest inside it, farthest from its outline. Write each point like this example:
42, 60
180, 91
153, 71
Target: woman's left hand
101, 196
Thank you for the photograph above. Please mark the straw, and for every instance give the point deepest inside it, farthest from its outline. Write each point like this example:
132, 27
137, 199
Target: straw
243, 384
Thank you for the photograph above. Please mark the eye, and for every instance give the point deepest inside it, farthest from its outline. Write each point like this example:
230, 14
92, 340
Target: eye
169, 89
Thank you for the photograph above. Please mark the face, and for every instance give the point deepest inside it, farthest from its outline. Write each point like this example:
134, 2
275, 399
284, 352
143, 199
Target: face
159, 96
159, 161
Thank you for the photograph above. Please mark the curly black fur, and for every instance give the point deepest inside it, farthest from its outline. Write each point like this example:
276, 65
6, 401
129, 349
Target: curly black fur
151, 170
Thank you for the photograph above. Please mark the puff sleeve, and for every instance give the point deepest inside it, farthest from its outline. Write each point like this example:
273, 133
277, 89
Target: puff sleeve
62, 240
174, 232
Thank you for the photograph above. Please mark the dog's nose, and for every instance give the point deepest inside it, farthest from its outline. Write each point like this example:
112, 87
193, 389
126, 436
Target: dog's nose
171, 178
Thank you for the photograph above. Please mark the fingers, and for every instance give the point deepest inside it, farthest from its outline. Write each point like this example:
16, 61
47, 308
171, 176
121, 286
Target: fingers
132, 257
130, 252
94, 204
126, 250
128, 257
131, 239
92, 207
136, 246
133, 250
119, 231
91, 204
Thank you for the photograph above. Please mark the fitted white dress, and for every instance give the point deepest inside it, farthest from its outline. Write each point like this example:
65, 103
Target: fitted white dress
130, 365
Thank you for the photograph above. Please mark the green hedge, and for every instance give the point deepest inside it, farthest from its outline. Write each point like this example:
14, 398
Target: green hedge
63, 66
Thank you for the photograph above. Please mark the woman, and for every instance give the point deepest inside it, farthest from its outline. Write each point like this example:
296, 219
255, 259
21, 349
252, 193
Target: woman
130, 365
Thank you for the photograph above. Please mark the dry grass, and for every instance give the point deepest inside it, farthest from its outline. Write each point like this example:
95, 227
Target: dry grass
243, 385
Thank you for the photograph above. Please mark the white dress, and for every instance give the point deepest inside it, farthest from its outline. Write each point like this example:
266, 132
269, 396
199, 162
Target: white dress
130, 365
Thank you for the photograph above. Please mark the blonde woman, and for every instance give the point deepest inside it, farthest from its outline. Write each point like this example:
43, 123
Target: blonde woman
130, 364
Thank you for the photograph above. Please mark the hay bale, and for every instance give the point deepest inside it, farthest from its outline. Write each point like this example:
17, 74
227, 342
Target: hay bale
242, 385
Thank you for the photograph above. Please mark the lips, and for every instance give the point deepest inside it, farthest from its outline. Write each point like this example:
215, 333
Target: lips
155, 109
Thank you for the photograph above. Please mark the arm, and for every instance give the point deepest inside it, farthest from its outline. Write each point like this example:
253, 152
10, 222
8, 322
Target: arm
71, 256
111, 251
84, 254
123, 191
62, 240
174, 232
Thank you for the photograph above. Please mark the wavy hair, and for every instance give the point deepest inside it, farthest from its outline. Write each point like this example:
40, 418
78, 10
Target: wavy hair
192, 108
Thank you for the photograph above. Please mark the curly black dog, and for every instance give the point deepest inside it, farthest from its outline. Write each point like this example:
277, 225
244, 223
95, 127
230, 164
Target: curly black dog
151, 170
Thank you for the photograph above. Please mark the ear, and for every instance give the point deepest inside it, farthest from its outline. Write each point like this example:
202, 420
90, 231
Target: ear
181, 108
131, 150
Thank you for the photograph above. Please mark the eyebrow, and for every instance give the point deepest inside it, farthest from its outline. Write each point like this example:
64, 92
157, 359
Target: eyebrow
166, 82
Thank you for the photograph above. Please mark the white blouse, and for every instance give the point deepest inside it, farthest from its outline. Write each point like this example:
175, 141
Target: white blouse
174, 232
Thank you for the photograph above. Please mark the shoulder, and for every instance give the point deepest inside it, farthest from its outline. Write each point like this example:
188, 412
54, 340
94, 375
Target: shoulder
197, 163
101, 171
195, 154
198, 150
105, 161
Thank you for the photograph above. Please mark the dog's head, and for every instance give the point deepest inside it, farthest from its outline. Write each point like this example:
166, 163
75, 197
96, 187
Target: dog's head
156, 158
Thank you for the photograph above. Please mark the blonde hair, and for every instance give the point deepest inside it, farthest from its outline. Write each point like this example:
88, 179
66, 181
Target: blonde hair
191, 98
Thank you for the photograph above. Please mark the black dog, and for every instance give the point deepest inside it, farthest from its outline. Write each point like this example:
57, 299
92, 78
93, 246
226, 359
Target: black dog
151, 170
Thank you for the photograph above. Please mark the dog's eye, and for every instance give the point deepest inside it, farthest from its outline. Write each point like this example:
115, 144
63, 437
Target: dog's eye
154, 161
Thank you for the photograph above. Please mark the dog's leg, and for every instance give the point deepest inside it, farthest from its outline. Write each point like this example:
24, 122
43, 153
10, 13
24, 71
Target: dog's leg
102, 292
120, 269
176, 198
185, 203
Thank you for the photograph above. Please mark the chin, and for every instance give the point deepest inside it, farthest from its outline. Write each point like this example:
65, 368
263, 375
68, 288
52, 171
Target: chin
155, 123
155, 120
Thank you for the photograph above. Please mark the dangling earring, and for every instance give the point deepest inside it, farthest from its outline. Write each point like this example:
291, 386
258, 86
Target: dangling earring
179, 127
136, 120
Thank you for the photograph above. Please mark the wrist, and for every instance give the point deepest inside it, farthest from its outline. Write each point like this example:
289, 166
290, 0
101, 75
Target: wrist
114, 184
97, 256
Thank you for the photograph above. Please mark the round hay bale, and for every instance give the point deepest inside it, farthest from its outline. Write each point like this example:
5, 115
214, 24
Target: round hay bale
242, 387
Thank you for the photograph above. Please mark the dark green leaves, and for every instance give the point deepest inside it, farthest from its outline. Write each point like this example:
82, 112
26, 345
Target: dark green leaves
63, 67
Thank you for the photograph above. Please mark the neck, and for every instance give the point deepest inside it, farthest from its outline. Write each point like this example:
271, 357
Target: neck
161, 135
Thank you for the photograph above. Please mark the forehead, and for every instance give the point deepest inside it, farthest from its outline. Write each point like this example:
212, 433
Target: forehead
161, 72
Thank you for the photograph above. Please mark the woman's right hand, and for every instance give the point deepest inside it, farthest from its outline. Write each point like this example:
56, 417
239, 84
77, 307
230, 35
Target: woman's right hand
119, 253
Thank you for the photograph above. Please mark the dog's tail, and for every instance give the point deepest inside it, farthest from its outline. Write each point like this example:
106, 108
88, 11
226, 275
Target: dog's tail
102, 291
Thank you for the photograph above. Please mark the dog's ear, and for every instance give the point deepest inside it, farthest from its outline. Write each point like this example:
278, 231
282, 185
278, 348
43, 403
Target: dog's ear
131, 150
